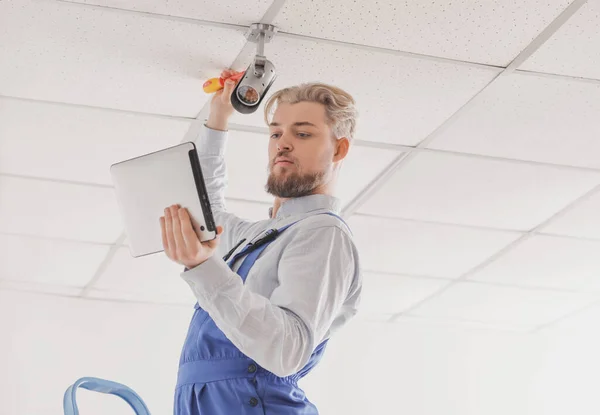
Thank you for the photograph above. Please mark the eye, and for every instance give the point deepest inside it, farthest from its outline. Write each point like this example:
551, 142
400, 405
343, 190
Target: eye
275, 135
304, 135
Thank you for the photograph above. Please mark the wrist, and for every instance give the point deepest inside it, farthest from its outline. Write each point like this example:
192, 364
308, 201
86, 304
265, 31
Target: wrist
218, 123
195, 264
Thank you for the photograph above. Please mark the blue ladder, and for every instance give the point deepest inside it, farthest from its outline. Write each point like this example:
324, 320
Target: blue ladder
103, 386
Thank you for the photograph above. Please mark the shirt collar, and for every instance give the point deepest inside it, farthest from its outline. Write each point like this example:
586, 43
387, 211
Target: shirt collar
305, 204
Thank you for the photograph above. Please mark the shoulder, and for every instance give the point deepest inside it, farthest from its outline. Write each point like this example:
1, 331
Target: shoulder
324, 220
322, 227
327, 236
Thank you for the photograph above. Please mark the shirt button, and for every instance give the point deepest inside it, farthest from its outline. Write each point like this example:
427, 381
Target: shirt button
252, 368
253, 402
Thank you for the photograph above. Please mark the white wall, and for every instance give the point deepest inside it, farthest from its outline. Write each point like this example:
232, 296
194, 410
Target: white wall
55, 340
410, 368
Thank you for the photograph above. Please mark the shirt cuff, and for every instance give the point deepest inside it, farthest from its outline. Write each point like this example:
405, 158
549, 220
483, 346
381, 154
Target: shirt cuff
211, 142
206, 279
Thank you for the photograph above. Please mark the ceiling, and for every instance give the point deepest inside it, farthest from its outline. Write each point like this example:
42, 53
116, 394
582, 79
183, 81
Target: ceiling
473, 189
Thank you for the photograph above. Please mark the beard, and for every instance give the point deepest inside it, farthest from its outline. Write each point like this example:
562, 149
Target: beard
294, 184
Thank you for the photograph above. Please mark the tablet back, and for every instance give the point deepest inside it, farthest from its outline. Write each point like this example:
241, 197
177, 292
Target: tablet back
146, 185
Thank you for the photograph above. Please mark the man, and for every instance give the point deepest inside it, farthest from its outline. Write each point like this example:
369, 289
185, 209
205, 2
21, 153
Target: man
267, 308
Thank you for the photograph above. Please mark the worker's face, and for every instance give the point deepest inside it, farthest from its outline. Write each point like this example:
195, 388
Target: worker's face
302, 150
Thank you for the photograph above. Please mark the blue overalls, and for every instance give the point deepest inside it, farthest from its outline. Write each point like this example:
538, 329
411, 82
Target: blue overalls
215, 378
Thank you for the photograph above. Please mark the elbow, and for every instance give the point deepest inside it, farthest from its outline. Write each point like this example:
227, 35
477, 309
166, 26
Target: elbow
290, 367
294, 357
289, 362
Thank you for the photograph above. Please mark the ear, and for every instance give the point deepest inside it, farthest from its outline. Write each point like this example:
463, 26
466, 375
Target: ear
342, 146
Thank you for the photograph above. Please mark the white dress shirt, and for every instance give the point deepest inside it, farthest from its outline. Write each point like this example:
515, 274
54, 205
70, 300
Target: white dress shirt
302, 288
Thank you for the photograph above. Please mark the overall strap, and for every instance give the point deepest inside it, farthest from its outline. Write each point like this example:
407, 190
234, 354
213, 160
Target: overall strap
253, 250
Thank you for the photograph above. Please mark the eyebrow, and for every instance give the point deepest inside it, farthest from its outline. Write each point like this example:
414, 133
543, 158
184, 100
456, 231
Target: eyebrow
296, 124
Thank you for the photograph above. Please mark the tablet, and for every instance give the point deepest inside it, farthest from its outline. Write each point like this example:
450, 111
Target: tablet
146, 185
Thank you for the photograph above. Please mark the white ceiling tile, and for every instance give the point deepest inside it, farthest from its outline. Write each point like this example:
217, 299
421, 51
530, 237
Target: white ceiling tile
442, 323
530, 118
404, 247
364, 316
492, 32
473, 191
574, 49
68, 53
58, 210
399, 99
37, 287
585, 321
582, 220
361, 167
388, 294
247, 161
153, 278
240, 12
50, 262
78, 144
548, 261
484, 303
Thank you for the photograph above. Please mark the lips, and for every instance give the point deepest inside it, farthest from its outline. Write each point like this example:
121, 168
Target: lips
283, 161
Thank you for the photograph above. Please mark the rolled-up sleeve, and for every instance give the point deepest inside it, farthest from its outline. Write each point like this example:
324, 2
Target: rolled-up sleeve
315, 274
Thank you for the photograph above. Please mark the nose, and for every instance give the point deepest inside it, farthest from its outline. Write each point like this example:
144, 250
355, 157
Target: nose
283, 144
284, 147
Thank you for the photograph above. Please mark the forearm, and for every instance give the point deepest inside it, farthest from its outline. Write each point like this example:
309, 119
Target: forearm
217, 122
274, 337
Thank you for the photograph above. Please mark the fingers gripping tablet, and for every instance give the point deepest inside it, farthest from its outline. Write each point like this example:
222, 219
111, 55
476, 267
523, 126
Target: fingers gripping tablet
145, 185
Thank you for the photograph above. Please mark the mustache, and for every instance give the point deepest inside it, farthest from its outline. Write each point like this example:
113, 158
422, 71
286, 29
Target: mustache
283, 154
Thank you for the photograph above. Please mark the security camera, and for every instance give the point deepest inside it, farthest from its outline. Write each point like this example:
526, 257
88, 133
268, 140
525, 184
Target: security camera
260, 75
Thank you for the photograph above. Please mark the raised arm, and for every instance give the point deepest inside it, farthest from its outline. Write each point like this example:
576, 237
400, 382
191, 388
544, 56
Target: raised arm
211, 144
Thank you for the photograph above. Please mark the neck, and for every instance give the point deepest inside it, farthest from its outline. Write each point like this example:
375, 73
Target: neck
276, 204
320, 190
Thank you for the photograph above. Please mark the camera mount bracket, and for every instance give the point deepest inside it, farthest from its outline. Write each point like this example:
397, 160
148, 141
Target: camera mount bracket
260, 33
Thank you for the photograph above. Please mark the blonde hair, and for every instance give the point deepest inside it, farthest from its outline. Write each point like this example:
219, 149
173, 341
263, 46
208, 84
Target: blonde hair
339, 105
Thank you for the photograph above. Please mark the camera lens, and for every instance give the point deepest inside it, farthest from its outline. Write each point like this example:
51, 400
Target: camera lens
247, 95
